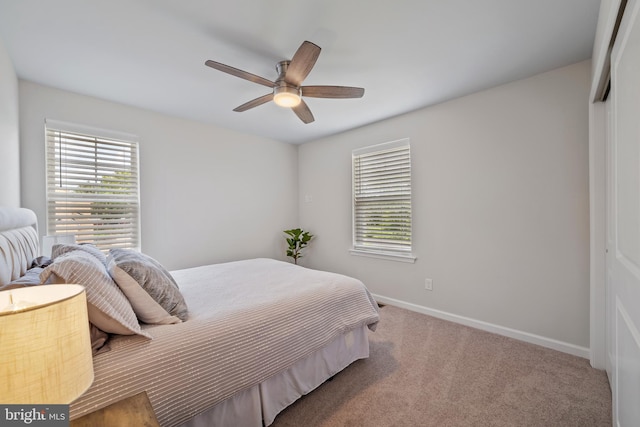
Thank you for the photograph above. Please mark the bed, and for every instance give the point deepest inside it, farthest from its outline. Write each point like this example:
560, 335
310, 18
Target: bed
254, 335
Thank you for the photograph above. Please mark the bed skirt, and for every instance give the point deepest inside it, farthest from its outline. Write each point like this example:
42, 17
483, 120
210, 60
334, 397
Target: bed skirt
266, 400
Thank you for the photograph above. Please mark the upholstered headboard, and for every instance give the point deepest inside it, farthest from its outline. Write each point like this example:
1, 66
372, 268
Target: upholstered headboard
18, 242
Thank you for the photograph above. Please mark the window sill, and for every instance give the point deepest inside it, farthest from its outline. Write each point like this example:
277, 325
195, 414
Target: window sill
390, 256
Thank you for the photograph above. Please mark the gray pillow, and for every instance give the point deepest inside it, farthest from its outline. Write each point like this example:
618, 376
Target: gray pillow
30, 278
108, 307
150, 288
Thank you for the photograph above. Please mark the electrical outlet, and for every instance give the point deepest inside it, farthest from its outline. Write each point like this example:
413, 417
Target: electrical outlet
428, 284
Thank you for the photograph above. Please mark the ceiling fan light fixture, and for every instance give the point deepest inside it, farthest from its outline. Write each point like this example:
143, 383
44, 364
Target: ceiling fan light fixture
287, 88
286, 96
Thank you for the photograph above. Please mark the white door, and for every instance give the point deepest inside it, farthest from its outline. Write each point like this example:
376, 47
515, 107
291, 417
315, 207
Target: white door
623, 256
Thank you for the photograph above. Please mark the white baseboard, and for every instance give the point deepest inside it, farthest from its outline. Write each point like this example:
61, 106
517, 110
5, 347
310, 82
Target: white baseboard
489, 327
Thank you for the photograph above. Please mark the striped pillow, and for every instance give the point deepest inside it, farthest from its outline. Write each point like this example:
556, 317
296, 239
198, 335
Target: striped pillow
108, 307
61, 249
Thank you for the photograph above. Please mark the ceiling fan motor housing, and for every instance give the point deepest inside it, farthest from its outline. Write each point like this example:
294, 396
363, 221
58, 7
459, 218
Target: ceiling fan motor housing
285, 94
281, 68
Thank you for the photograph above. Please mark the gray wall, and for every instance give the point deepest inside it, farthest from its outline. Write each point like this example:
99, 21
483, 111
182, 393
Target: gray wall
500, 207
500, 197
9, 142
207, 194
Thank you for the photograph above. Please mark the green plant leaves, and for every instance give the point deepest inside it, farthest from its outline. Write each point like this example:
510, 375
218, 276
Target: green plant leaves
298, 240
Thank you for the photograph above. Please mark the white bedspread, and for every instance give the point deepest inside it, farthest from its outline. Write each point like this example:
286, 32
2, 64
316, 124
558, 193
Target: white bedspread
249, 320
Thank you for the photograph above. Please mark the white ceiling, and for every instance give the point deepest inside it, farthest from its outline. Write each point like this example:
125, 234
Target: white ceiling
407, 54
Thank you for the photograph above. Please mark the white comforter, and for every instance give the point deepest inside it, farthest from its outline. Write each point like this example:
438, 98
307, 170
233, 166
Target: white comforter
249, 320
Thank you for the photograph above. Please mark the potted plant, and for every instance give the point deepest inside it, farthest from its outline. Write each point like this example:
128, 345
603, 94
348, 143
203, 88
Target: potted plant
297, 240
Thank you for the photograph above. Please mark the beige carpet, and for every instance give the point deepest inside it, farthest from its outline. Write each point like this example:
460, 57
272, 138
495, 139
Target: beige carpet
425, 371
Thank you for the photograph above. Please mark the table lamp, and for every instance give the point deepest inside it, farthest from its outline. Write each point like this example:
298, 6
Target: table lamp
45, 346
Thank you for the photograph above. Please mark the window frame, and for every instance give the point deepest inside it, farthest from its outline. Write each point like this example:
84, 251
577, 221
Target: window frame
402, 253
131, 196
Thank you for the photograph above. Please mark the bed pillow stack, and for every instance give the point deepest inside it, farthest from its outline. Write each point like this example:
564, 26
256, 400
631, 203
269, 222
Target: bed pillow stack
123, 290
108, 307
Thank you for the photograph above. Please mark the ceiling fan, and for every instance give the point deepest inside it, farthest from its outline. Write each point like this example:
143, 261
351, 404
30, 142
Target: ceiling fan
287, 89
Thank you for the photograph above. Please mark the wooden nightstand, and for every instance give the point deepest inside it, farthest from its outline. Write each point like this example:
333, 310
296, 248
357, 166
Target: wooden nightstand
134, 411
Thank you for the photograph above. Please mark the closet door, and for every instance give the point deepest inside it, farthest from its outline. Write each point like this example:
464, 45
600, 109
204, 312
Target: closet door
623, 257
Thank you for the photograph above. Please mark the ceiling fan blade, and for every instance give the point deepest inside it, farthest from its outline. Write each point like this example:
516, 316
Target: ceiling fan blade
254, 103
239, 73
303, 112
302, 62
332, 91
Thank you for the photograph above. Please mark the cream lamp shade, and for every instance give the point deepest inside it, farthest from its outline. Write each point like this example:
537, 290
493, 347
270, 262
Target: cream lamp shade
45, 346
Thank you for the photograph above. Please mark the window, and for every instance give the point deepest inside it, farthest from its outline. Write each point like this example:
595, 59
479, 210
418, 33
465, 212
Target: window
382, 201
92, 186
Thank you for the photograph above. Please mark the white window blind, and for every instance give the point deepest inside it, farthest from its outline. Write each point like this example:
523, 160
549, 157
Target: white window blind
382, 198
92, 188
